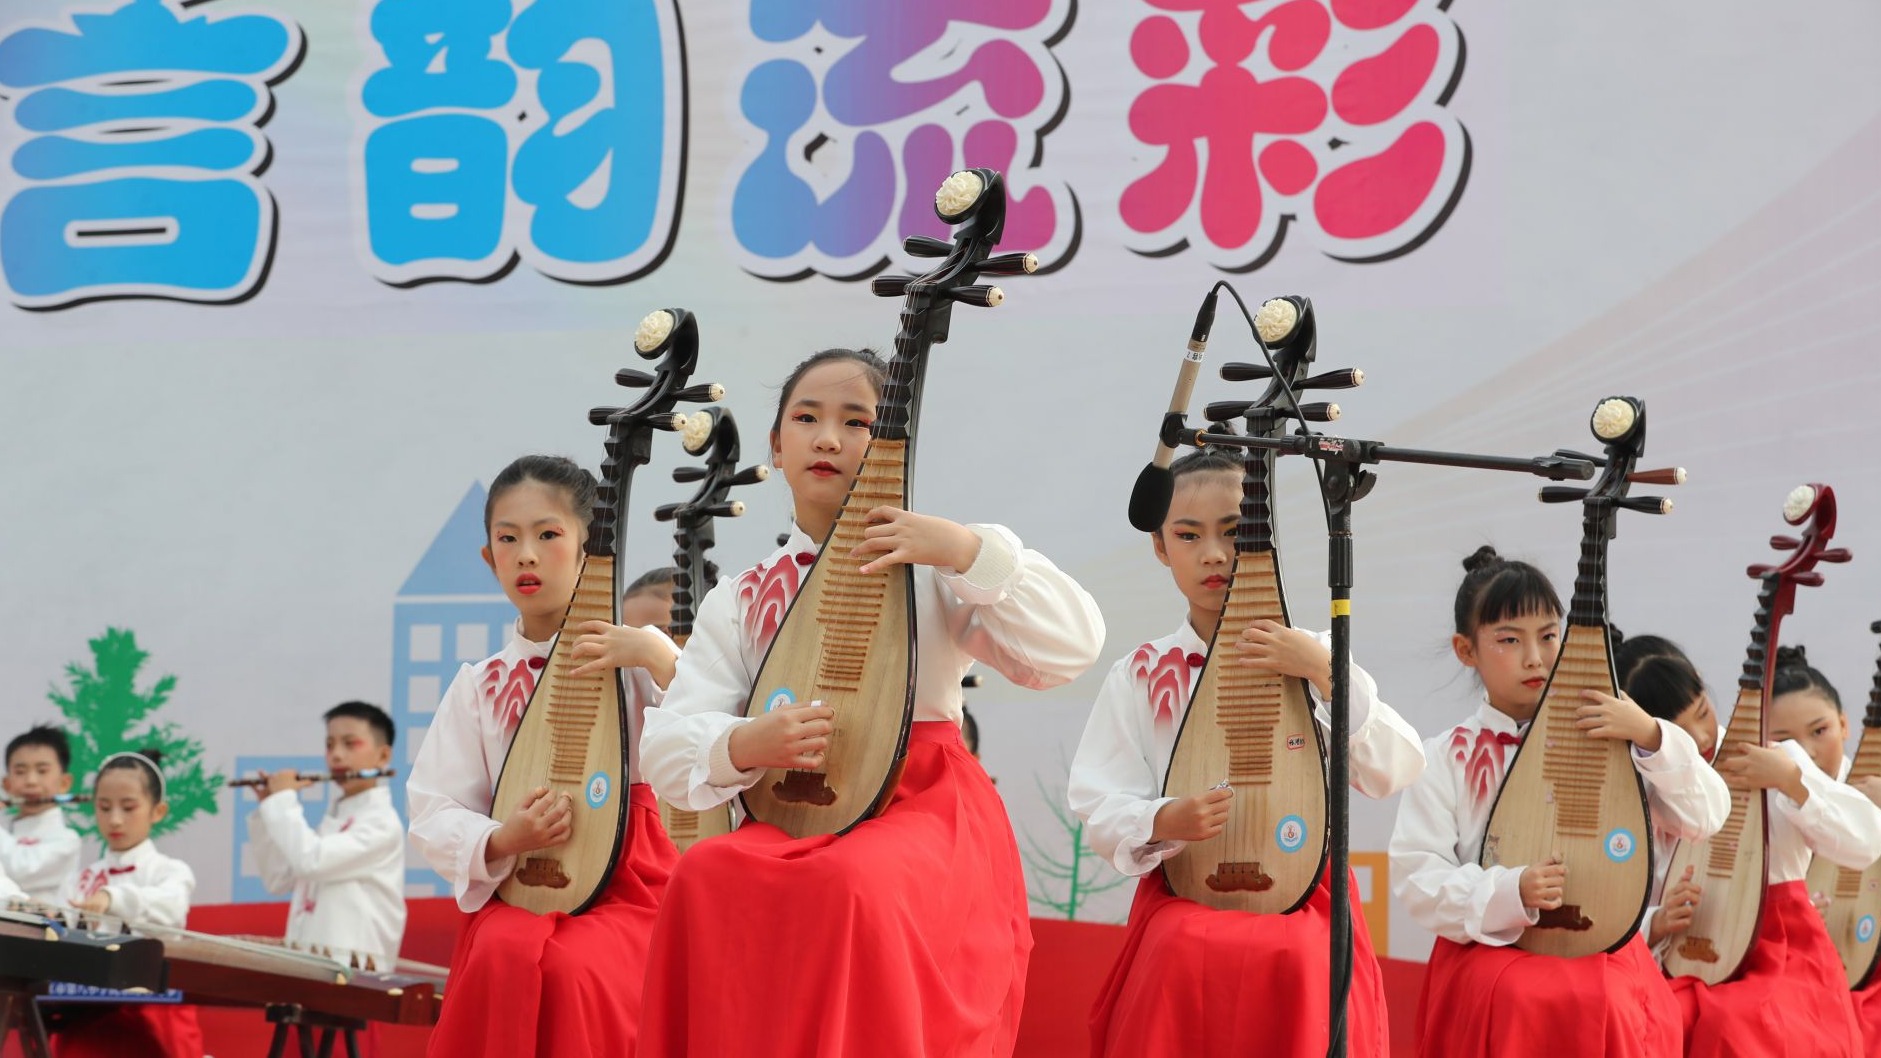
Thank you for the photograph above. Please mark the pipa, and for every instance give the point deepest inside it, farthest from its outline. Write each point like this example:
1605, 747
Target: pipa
848, 640
1732, 866
1256, 730
713, 433
1855, 896
1567, 793
573, 734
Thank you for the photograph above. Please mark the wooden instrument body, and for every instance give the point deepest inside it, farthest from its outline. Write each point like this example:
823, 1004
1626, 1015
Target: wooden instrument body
1854, 909
573, 736
1257, 731
37, 948
224, 971
1733, 866
848, 640
1565, 793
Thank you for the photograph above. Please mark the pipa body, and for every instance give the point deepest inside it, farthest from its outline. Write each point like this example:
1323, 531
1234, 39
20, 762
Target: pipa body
1855, 896
848, 638
1566, 793
1732, 867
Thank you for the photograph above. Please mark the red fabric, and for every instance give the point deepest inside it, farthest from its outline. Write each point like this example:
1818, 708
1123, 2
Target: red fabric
1482, 1000
1790, 1001
555, 984
908, 936
147, 1031
1868, 1013
1192, 980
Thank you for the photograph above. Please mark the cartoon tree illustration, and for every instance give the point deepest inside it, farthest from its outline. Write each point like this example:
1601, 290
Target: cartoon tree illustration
106, 714
1079, 874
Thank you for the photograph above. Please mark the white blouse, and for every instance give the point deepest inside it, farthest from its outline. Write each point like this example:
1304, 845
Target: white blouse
453, 781
1123, 758
1441, 820
1013, 610
145, 886
41, 854
347, 877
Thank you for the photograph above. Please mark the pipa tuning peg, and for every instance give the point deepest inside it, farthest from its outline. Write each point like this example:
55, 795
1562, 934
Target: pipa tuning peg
686, 474
1662, 476
1240, 372
1835, 554
1224, 410
889, 286
1785, 543
971, 680
703, 393
728, 509
751, 475
1760, 571
674, 422
1809, 578
1647, 504
633, 379
1319, 411
600, 416
1875, 628
1562, 494
1009, 264
981, 295
665, 511
926, 246
1344, 378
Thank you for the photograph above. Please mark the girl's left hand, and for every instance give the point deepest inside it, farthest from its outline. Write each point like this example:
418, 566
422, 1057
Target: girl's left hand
1273, 647
97, 903
896, 537
1604, 716
609, 646
1765, 768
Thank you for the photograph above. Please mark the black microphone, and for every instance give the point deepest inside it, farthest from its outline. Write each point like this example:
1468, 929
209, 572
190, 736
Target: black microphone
1149, 500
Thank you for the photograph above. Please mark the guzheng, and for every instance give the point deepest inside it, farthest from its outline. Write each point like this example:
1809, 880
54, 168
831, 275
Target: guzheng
1256, 730
1567, 793
573, 735
848, 640
713, 434
1855, 896
1732, 866
43, 952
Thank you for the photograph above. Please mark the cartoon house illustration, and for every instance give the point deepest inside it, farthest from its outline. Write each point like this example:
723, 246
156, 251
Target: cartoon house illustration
449, 612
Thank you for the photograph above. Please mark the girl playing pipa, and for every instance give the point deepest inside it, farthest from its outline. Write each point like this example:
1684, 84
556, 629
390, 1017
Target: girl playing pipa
1853, 898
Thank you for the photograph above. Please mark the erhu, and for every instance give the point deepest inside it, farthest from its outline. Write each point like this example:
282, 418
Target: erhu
1733, 864
346, 775
1855, 896
848, 640
1566, 793
572, 737
712, 433
1256, 731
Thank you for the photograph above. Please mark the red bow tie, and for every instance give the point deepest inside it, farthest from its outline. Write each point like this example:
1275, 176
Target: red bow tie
121, 870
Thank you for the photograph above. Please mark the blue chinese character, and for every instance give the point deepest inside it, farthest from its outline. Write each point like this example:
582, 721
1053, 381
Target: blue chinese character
438, 55
435, 190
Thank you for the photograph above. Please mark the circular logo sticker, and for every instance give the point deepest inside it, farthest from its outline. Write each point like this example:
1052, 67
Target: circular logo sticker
1864, 930
1290, 834
780, 698
597, 789
1620, 845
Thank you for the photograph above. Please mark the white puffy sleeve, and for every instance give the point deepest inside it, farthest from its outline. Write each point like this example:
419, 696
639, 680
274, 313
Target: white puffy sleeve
1385, 752
43, 863
1461, 901
1687, 796
1021, 615
450, 790
1838, 822
160, 898
684, 751
1114, 785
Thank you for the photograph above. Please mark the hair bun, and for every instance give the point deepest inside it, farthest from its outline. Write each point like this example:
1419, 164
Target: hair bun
1791, 657
153, 755
1483, 557
1615, 637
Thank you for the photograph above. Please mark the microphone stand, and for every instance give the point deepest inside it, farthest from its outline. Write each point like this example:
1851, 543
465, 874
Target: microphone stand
1343, 483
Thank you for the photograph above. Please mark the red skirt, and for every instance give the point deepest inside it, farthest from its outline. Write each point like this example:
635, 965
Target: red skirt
908, 936
555, 984
146, 1031
1480, 999
1791, 999
1868, 1013
1192, 980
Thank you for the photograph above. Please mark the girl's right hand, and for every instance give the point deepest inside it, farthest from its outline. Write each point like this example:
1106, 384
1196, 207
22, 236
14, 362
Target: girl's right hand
790, 736
1196, 818
1543, 884
1676, 909
540, 822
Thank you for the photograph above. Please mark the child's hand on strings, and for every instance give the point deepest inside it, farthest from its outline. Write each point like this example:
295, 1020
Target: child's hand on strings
542, 821
96, 904
1273, 647
790, 736
1678, 907
1196, 818
895, 536
1544, 884
1604, 716
1764, 768
602, 646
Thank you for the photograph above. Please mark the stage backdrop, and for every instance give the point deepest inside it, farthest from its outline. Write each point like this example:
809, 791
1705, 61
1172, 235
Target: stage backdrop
288, 281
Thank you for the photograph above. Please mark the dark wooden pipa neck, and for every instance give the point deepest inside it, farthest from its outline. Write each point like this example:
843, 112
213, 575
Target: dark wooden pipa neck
1873, 716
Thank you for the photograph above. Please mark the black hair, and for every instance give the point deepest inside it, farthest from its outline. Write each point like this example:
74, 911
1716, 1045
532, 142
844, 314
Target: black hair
653, 578
558, 472
1794, 673
969, 731
1205, 459
874, 366
43, 735
1656, 674
145, 764
1496, 588
375, 718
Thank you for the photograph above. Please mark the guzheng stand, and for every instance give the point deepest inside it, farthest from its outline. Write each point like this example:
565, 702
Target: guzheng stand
19, 1013
1343, 482
294, 1018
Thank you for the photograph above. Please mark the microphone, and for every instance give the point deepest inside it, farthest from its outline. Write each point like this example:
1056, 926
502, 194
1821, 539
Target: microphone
1149, 500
